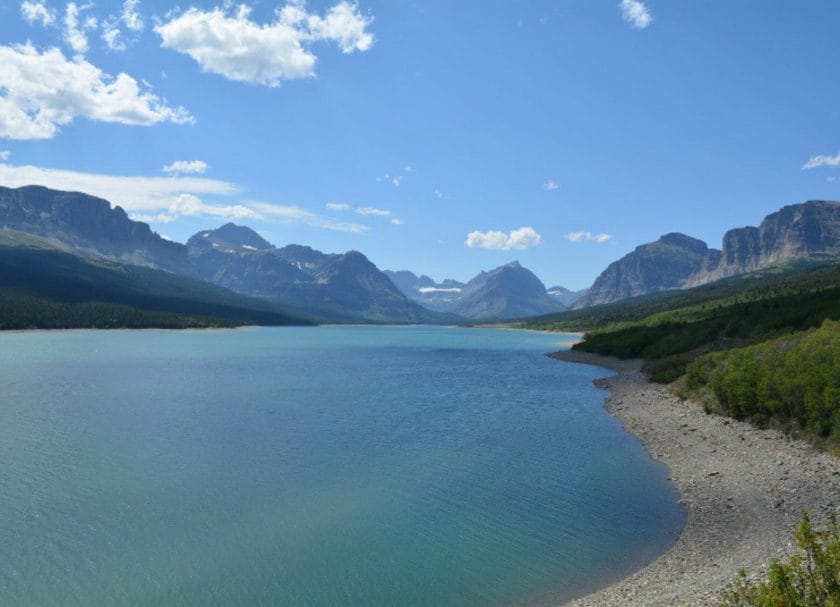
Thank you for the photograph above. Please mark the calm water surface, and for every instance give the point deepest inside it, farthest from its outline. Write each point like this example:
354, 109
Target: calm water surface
314, 466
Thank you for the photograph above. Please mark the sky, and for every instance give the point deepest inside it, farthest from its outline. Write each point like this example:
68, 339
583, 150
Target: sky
435, 136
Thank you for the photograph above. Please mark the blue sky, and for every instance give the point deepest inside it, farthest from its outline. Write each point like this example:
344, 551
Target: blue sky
441, 137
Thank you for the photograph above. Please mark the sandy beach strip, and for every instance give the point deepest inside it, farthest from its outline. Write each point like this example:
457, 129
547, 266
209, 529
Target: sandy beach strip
744, 490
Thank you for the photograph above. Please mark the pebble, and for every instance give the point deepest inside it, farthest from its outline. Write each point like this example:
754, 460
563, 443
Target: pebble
738, 520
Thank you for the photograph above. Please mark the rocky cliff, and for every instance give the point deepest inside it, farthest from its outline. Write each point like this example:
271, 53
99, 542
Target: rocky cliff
664, 264
807, 230
88, 226
810, 230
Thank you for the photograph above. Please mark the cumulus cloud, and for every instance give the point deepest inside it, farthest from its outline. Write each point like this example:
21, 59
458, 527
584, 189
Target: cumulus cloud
588, 237
5, 155
397, 222
181, 167
112, 33
636, 13
231, 44
131, 16
190, 205
550, 185
75, 27
42, 91
37, 12
822, 161
112, 36
338, 206
523, 238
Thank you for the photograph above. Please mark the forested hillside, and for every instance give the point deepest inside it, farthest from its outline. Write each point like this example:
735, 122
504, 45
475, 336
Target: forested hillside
763, 347
48, 289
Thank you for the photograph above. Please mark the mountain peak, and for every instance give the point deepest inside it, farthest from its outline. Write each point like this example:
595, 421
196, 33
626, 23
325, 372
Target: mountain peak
236, 236
656, 266
509, 291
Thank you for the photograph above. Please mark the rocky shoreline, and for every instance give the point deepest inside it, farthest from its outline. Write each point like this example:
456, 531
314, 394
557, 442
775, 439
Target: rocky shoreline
744, 490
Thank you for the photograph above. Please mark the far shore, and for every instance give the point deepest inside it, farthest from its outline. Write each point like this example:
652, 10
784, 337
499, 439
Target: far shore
744, 490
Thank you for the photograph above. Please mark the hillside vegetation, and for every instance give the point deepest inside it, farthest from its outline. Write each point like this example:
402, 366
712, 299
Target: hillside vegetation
763, 347
810, 578
688, 304
793, 380
42, 288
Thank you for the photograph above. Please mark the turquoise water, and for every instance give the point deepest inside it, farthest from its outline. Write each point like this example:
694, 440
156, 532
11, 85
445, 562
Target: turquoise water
315, 466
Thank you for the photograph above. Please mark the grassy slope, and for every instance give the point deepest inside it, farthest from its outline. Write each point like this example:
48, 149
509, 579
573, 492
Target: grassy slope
45, 288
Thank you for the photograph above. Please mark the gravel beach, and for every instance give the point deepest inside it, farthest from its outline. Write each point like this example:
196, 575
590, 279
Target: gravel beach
744, 490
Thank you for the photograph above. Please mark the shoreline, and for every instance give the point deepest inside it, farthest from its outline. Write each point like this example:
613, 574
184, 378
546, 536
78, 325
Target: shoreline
743, 489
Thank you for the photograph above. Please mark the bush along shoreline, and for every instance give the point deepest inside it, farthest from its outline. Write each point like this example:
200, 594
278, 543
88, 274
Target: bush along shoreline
810, 578
792, 382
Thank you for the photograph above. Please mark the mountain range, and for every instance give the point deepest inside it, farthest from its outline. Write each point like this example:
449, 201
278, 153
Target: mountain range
300, 282
346, 287
343, 287
335, 286
806, 231
507, 292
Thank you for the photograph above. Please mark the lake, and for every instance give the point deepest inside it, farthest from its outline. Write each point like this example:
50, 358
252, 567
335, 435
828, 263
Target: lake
364, 466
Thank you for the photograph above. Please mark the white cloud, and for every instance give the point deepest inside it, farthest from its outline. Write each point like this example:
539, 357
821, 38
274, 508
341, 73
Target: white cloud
40, 92
112, 36
822, 161
296, 214
372, 211
180, 167
165, 199
74, 30
587, 237
365, 211
523, 238
131, 16
134, 194
344, 25
229, 43
37, 11
636, 13
190, 205
5, 155
550, 185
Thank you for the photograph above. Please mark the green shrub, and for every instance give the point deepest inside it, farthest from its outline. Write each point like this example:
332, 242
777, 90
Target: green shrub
810, 578
667, 370
793, 380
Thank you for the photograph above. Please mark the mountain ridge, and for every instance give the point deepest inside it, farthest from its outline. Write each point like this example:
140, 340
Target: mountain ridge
231, 256
809, 230
507, 292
